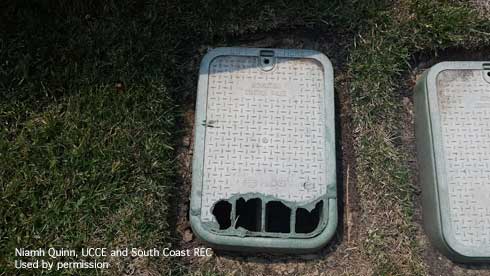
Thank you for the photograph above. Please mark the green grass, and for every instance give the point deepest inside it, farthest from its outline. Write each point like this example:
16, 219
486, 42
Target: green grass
83, 163
92, 169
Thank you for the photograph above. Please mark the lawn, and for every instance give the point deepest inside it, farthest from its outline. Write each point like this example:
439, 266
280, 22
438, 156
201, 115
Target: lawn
93, 96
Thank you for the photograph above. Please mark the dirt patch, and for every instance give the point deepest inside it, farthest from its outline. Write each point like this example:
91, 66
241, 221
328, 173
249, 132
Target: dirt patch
437, 263
482, 6
344, 250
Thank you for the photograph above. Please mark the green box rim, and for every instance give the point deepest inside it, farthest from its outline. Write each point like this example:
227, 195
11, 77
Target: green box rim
249, 243
431, 161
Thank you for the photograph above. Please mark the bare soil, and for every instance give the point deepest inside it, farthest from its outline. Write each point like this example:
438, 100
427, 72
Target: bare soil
482, 6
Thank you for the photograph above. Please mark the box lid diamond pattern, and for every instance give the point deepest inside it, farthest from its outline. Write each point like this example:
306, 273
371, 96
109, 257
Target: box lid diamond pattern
264, 130
453, 118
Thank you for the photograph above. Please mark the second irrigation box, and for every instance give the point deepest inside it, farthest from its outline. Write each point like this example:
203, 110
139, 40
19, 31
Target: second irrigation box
264, 175
452, 111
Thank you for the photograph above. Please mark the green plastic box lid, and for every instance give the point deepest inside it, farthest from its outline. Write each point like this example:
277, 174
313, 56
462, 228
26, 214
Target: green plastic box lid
264, 172
452, 110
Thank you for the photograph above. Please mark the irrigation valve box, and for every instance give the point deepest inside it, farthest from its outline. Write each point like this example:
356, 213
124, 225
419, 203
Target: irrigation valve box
452, 110
264, 176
